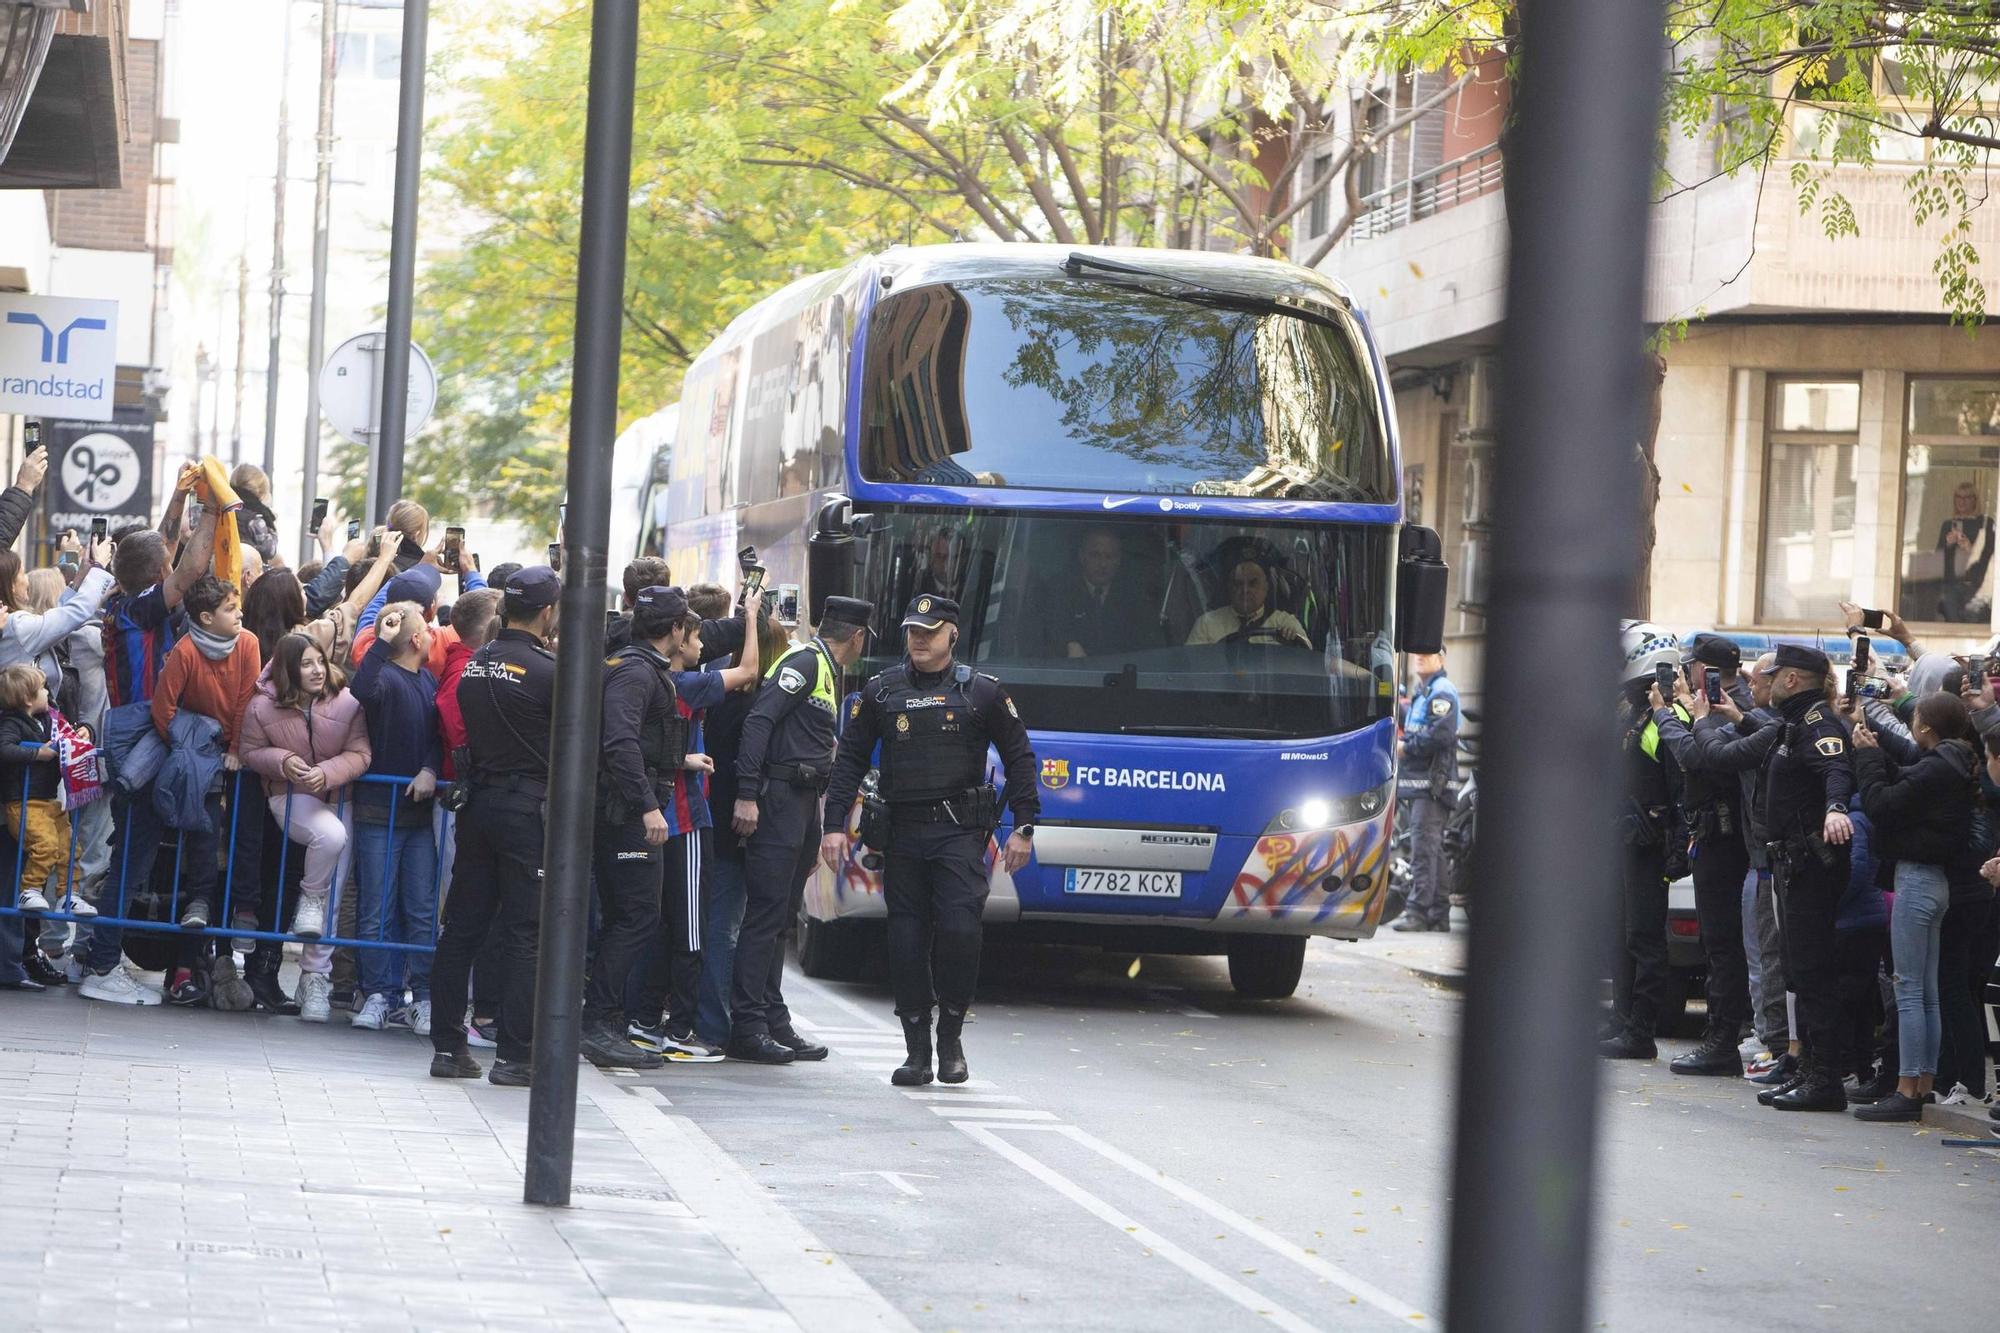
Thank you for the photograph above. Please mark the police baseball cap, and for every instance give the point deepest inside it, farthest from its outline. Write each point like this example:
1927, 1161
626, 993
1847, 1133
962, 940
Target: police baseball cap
846, 611
1798, 657
534, 586
671, 603
929, 612
1716, 651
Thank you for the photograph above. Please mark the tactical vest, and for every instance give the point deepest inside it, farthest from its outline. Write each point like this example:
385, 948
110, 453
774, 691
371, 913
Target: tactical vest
822, 695
933, 740
663, 738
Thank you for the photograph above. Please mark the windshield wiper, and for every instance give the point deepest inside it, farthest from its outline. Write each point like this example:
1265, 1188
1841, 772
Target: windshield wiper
1229, 733
1194, 293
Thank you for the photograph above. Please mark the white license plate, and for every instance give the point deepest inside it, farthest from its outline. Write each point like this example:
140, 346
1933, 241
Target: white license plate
1128, 883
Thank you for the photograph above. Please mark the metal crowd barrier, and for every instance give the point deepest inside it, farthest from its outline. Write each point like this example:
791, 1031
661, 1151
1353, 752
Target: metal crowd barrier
171, 924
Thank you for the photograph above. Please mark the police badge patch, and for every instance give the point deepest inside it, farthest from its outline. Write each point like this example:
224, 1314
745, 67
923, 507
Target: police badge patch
1010, 711
1439, 707
790, 681
902, 721
1830, 746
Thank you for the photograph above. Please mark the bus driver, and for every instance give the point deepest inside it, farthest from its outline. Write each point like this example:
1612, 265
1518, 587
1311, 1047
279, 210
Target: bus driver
1249, 617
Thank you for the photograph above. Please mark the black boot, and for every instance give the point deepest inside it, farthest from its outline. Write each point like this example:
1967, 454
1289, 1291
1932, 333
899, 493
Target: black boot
950, 1054
1819, 1090
1631, 1044
915, 1071
263, 978
1715, 1055
1796, 1075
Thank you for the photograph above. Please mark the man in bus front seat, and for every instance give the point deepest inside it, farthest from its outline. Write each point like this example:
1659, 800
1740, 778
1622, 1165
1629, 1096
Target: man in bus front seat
1099, 611
1249, 617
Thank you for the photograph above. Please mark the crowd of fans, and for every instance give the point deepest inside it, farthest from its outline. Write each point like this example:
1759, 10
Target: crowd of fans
1843, 833
196, 736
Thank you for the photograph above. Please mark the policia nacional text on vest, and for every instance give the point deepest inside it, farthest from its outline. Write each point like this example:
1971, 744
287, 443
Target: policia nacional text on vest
934, 719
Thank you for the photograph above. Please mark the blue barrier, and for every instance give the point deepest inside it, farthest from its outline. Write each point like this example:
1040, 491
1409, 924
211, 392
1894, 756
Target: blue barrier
171, 924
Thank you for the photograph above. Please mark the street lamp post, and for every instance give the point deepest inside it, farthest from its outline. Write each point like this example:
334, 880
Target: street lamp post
1572, 398
573, 743
402, 257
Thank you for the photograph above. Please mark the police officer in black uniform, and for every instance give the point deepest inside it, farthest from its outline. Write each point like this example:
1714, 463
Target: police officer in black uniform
507, 696
645, 745
934, 718
1808, 780
782, 766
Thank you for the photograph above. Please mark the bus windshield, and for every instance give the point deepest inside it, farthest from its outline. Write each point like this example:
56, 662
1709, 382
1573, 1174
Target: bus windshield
1073, 384
1152, 625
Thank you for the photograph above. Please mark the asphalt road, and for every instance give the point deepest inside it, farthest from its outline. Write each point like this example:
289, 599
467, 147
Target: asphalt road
1145, 1151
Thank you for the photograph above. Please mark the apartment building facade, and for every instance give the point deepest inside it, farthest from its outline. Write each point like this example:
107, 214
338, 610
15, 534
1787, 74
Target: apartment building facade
1825, 434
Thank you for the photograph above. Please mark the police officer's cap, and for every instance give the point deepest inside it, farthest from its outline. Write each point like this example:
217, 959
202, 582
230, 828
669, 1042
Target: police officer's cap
534, 586
1798, 657
845, 611
670, 603
1716, 651
929, 612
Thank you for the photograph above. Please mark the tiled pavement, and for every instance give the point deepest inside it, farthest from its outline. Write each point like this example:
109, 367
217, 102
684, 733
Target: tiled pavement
162, 1169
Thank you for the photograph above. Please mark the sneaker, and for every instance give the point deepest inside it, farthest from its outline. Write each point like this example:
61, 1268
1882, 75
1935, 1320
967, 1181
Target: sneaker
511, 1074
228, 991
607, 1048
692, 1050
186, 989
1875, 1089
315, 997
482, 1032
454, 1064
1750, 1048
649, 1036
79, 906
420, 1018
33, 901
1764, 1066
195, 915
1959, 1095
399, 1017
309, 922
373, 1014
118, 986
1893, 1108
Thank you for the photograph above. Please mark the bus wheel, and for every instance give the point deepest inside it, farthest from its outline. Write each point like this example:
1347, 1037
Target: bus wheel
1266, 967
831, 950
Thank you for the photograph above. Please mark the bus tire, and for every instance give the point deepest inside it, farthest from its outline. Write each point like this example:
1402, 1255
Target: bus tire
831, 950
1266, 967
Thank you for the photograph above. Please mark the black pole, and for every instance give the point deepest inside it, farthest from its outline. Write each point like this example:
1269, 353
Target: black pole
1580, 167
402, 256
279, 185
573, 744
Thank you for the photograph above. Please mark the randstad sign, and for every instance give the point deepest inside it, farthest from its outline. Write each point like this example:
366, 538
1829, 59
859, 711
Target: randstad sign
58, 357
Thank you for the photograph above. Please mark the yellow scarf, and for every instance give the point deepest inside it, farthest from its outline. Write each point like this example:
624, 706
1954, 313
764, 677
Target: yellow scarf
209, 481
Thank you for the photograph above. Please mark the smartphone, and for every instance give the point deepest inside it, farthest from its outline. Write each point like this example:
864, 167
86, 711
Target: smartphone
1873, 619
753, 581
354, 529
746, 559
319, 512
100, 528
1859, 667
788, 604
555, 556
454, 544
1711, 683
1663, 676
34, 435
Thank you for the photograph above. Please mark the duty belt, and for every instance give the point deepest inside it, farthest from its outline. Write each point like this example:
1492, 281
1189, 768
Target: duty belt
1793, 853
800, 775
975, 807
510, 782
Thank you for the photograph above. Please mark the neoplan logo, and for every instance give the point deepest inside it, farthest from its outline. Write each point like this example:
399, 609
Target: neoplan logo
55, 346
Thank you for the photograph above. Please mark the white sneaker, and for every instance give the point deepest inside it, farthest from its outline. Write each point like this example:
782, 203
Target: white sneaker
1958, 1096
1748, 1048
118, 986
420, 1018
310, 922
32, 901
475, 1037
372, 1014
79, 906
315, 997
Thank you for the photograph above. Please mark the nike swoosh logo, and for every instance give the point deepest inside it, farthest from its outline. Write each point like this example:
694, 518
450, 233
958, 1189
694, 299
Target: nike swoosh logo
1110, 503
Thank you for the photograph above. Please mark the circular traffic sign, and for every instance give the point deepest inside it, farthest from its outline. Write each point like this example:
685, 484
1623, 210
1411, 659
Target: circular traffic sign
348, 388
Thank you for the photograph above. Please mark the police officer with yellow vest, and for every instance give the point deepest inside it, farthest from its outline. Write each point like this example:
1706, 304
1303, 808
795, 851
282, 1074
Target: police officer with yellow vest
782, 766
934, 719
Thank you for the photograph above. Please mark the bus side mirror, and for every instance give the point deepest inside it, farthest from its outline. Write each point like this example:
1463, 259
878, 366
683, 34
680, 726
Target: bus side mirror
1420, 580
830, 554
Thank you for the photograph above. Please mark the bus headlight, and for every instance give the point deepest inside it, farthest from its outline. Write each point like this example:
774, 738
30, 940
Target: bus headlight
1318, 812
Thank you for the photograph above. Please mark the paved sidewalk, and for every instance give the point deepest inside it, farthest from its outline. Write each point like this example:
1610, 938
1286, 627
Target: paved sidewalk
166, 1169
1437, 957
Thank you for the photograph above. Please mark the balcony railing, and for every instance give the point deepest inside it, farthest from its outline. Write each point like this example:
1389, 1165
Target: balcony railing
1444, 186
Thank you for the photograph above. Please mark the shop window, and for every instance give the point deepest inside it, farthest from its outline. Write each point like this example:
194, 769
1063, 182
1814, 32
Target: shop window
1809, 487
1951, 482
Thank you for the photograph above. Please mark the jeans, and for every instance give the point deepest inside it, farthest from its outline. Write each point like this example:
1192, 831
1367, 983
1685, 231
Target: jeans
396, 872
135, 844
718, 948
1922, 896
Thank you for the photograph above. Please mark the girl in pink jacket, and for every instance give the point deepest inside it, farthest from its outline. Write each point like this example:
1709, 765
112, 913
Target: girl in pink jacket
306, 737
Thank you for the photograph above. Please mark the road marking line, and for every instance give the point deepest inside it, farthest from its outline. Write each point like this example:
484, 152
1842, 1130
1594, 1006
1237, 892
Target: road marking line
1312, 1263
983, 1084
1196, 1268
899, 1179
952, 1095
993, 1112
868, 1022
650, 1094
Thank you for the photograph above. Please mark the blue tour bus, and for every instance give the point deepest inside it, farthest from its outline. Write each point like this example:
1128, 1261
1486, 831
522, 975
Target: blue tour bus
1163, 487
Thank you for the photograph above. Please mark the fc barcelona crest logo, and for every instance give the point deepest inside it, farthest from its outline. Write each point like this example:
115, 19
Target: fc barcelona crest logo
1055, 774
